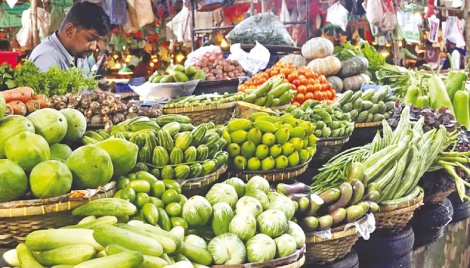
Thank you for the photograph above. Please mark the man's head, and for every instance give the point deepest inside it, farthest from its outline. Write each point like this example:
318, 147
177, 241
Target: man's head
428, 44
83, 26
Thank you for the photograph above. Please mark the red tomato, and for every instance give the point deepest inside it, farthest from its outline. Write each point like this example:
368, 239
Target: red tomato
296, 104
274, 72
311, 81
302, 89
296, 83
300, 98
310, 88
293, 87
322, 78
317, 95
291, 77
309, 74
265, 75
303, 80
327, 94
285, 71
309, 96
333, 94
316, 87
324, 87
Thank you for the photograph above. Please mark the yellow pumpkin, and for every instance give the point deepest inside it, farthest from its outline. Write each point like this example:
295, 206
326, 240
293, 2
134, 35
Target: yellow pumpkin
295, 59
317, 47
326, 66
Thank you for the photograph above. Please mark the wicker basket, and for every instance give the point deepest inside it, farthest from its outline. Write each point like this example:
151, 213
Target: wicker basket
272, 175
367, 125
295, 260
200, 186
329, 147
19, 218
327, 250
219, 114
393, 218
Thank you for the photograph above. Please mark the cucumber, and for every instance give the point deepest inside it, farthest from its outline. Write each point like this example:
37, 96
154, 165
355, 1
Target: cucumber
330, 196
70, 255
167, 239
101, 254
153, 262
121, 260
373, 207
354, 212
112, 249
93, 224
346, 195
169, 245
87, 219
358, 192
178, 232
63, 266
26, 258
106, 207
163, 219
11, 257
195, 253
325, 222
372, 196
338, 216
56, 238
109, 234
180, 264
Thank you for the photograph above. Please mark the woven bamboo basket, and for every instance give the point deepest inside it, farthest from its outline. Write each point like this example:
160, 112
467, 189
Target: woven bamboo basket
219, 114
295, 260
200, 186
367, 125
19, 218
393, 218
329, 147
327, 250
271, 175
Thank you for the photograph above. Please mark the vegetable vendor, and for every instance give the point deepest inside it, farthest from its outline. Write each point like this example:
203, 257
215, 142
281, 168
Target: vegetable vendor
81, 30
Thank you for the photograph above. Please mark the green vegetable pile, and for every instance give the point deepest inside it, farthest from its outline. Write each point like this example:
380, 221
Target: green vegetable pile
54, 81
330, 121
203, 100
7, 77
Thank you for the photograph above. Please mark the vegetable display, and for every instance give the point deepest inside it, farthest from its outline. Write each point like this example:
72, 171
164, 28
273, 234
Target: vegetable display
366, 106
202, 100
22, 101
178, 73
265, 142
219, 69
7, 77
329, 121
272, 93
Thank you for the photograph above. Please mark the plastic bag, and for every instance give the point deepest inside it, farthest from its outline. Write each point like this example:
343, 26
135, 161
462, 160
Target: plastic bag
284, 15
25, 34
374, 13
265, 28
338, 15
433, 22
203, 53
254, 61
389, 19
409, 25
453, 31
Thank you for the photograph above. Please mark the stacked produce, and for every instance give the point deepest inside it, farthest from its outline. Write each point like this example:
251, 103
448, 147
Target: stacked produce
172, 147
103, 108
329, 121
333, 207
272, 93
219, 69
7, 77
177, 73
34, 155
264, 142
393, 163
22, 101
239, 222
203, 100
366, 106
308, 84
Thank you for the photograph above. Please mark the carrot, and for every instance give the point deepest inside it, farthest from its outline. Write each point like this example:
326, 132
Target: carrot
8, 110
22, 94
43, 100
18, 107
32, 105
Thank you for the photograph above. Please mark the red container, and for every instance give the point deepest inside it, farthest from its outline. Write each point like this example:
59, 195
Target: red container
10, 57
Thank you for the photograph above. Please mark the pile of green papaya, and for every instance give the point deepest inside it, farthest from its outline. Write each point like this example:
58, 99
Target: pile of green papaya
366, 106
178, 73
171, 148
329, 121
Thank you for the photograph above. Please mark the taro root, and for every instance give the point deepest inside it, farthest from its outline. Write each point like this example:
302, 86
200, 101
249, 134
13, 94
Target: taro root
95, 107
88, 113
108, 125
105, 110
143, 111
97, 119
85, 103
62, 105
131, 115
118, 118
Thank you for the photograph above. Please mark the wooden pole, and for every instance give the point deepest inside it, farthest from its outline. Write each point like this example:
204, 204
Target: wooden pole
34, 22
396, 47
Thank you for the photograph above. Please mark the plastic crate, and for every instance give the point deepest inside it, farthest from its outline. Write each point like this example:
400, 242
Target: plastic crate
10, 57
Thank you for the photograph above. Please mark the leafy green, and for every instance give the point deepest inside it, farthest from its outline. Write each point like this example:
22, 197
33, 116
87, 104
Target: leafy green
53, 82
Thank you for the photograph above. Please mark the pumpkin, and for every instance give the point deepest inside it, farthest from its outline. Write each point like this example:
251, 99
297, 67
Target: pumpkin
353, 66
336, 82
295, 59
355, 82
326, 66
317, 47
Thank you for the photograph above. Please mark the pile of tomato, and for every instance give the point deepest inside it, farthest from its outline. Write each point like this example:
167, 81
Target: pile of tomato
308, 84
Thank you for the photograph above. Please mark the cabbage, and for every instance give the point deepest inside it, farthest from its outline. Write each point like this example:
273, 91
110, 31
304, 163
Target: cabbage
238, 184
227, 249
196, 241
197, 211
223, 215
285, 245
272, 222
281, 202
243, 225
248, 204
260, 248
260, 196
297, 233
221, 192
259, 183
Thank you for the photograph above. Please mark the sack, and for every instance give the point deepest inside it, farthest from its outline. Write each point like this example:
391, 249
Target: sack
337, 15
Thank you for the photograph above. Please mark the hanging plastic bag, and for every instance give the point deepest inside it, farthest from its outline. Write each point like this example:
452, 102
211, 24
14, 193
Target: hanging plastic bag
25, 34
374, 13
254, 61
453, 31
389, 19
337, 15
433, 22
284, 15
409, 25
